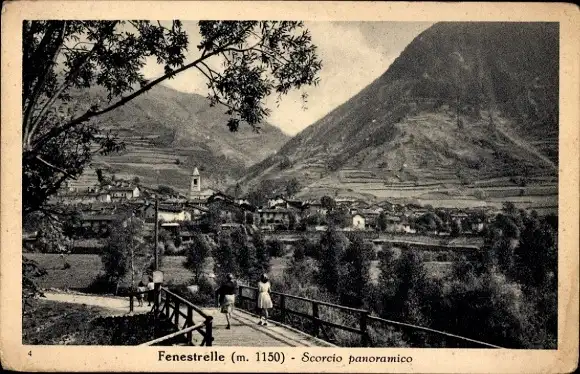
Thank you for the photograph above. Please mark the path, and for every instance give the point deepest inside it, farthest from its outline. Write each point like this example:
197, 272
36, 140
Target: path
244, 331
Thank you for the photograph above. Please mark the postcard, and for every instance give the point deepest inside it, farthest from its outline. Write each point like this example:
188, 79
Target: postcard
278, 186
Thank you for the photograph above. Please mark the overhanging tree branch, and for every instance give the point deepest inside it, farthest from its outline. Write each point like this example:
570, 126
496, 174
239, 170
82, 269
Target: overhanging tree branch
93, 113
40, 85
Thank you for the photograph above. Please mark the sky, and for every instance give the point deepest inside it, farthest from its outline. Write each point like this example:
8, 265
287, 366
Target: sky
353, 54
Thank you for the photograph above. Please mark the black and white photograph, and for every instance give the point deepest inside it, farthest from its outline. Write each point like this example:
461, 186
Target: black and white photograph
271, 183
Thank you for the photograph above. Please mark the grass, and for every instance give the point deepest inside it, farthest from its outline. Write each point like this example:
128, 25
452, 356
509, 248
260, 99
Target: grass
49, 322
85, 268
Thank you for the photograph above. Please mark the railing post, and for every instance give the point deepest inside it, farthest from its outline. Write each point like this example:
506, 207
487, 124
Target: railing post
131, 303
176, 309
240, 300
315, 319
167, 302
208, 331
364, 337
283, 308
189, 322
156, 298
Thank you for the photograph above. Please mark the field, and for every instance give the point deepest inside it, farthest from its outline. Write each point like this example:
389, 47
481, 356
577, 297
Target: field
85, 268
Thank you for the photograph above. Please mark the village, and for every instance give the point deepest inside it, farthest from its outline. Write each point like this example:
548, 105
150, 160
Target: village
283, 218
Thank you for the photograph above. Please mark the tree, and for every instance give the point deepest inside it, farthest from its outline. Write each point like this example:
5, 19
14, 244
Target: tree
126, 251
292, 187
196, 255
333, 244
382, 221
225, 257
211, 220
355, 273
166, 190
30, 289
275, 248
245, 255
262, 255
327, 202
430, 221
62, 57
339, 217
257, 197
455, 228
53, 235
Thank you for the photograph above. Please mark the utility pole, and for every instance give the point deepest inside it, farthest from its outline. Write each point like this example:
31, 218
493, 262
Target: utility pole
156, 233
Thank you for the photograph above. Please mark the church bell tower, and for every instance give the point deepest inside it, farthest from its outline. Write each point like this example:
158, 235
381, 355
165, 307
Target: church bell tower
195, 185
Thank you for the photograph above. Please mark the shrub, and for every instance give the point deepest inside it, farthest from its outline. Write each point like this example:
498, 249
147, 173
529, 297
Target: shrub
275, 248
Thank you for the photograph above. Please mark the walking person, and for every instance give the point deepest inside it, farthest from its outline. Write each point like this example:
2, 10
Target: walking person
227, 297
150, 291
141, 289
264, 299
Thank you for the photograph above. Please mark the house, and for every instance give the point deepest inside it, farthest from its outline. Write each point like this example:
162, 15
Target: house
371, 216
281, 216
358, 222
277, 201
78, 198
314, 207
171, 213
123, 193
97, 223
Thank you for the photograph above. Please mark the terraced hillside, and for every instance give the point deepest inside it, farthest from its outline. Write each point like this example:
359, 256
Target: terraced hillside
168, 132
465, 108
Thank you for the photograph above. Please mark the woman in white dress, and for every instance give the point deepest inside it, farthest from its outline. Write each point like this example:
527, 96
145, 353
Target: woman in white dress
264, 299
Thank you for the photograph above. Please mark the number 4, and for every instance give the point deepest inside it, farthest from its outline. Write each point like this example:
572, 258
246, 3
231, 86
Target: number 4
30, 353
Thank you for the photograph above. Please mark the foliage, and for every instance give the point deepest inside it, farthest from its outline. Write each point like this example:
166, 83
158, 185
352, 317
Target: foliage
292, 187
225, 257
126, 251
429, 222
211, 221
275, 248
196, 255
315, 219
355, 272
262, 254
339, 217
285, 163
61, 57
333, 244
328, 202
53, 231
455, 228
245, 255
30, 289
382, 221
166, 190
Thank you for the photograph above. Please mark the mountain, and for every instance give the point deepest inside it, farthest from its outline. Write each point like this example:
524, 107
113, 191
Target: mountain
466, 107
167, 133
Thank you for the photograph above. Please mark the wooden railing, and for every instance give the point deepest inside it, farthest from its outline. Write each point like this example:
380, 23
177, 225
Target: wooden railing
359, 319
181, 313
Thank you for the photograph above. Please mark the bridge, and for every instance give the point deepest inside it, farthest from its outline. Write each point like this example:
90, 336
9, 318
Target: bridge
295, 321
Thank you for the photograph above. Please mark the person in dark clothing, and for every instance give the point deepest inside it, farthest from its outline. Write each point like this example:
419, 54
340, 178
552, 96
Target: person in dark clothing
227, 297
141, 289
150, 291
